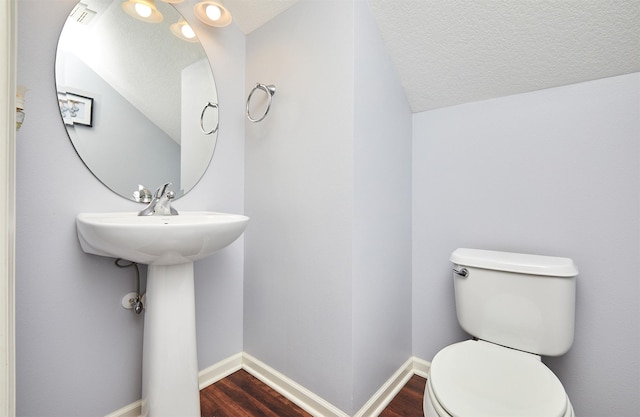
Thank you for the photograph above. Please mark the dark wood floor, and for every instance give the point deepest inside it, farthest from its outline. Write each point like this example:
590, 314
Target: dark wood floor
242, 395
408, 402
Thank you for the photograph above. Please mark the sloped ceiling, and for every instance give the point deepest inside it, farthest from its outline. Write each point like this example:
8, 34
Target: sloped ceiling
449, 52
249, 15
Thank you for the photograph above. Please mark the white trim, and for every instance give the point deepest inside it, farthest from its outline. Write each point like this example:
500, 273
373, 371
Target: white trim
131, 410
421, 367
8, 50
299, 395
390, 389
296, 393
220, 370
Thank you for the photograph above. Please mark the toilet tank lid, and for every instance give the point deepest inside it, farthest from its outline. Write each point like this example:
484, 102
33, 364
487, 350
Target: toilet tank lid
515, 262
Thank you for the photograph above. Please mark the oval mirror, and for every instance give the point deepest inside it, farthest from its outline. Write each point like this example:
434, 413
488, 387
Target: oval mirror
137, 98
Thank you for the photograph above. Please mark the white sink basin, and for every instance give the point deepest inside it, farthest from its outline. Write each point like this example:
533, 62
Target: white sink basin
169, 245
158, 240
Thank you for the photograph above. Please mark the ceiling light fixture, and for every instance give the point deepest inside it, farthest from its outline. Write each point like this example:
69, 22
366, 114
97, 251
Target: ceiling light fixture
144, 10
212, 13
182, 30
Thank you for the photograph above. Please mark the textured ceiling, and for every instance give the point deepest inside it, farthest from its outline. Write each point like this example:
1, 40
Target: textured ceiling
449, 52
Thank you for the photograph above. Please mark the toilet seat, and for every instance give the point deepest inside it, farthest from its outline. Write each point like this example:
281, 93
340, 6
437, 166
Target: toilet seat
481, 379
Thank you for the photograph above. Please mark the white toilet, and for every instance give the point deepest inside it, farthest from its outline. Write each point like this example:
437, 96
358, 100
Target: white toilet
518, 307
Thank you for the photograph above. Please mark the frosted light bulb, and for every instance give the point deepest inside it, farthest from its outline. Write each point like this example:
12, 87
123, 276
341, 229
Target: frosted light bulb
187, 31
213, 12
143, 10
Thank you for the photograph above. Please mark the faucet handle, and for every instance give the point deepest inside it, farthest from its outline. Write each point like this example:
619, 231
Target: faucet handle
161, 203
170, 196
163, 189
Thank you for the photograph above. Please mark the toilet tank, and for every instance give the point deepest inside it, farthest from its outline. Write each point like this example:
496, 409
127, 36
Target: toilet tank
526, 302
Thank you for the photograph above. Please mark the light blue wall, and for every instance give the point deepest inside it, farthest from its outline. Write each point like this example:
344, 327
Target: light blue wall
78, 351
328, 282
299, 194
553, 172
382, 214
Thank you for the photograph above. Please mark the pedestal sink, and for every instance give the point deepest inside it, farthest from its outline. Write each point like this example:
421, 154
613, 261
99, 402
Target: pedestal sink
169, 245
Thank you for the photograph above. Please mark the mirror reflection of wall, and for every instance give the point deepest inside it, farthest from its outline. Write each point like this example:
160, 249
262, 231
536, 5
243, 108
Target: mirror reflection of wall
195, 151
148, 88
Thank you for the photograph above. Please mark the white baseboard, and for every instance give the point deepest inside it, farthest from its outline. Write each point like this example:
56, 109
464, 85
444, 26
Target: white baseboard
389, 389
421, 367
131, 410
296, 393
220, 370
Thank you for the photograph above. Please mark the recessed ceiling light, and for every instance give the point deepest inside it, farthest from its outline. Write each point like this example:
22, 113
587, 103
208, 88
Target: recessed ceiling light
212, 13
144, 10
182, 30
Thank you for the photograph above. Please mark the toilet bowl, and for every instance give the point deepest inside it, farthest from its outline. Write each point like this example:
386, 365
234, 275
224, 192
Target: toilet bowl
518, 307
482, 379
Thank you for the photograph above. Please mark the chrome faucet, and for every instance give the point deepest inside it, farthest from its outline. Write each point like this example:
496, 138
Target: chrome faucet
161, 203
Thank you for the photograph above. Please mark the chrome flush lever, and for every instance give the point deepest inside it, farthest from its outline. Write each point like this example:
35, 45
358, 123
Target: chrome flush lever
463, 272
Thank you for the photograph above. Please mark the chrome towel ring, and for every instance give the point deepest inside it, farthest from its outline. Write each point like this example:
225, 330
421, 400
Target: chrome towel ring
270, 90
204, 110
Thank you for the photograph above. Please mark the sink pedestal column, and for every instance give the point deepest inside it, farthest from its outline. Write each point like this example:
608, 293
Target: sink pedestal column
169, 360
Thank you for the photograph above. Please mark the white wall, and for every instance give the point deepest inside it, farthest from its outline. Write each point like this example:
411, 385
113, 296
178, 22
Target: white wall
78, 351
552, 172
381, 215
299, 195
327, 282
